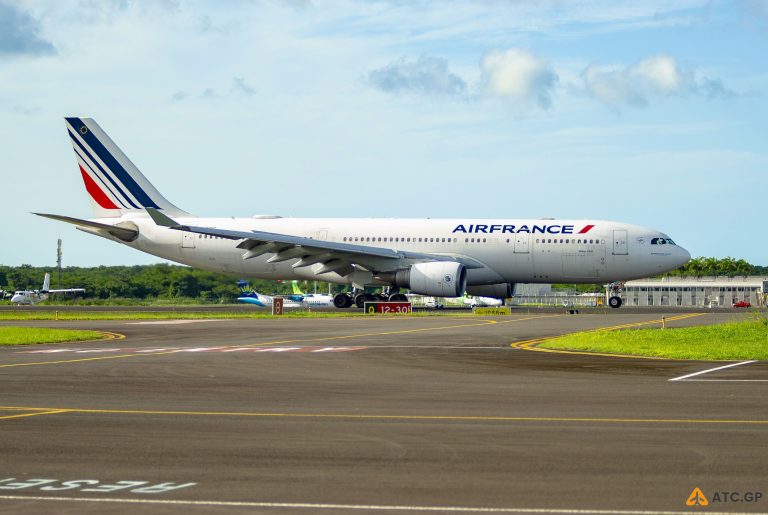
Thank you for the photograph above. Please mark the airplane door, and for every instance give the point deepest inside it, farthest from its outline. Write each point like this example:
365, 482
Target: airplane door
187, 240
522, 243
620, 242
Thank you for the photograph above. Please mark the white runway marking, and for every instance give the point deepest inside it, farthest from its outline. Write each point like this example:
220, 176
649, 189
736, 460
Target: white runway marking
177, 322
712, 370
357, 507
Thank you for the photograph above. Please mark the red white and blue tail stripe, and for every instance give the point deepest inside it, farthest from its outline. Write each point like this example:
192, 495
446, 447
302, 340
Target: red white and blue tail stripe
113, 182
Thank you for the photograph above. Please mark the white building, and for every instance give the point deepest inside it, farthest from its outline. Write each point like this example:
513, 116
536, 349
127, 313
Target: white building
701, 291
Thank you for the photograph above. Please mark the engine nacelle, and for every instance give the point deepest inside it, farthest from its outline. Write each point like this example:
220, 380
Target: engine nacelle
494, 291
437, 278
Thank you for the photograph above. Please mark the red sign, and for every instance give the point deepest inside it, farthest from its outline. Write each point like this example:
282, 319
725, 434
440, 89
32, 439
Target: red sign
373, 308
277, 305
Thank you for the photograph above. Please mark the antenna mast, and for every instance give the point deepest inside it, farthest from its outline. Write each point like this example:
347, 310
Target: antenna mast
58, 262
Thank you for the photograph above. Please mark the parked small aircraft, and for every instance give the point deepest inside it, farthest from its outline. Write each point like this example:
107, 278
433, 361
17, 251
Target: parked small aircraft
31, 297
251, 296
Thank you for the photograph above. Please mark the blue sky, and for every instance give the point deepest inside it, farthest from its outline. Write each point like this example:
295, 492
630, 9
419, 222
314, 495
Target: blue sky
651, 113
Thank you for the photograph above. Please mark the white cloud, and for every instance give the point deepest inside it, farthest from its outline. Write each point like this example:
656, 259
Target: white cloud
518, 74
658, 74
427, 76
654, 78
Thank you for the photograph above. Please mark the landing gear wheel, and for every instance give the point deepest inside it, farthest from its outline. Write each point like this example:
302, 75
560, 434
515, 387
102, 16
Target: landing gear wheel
398, 297
362, 298
342, 300
615, 302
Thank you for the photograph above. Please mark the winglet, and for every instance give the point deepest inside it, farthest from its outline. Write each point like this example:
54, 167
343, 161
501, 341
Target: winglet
161, 219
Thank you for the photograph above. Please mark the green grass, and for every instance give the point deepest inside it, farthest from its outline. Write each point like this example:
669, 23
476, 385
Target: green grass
30, 335
732, 341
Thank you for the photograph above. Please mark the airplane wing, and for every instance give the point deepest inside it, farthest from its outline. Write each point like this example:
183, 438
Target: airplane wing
66, 290
335, 257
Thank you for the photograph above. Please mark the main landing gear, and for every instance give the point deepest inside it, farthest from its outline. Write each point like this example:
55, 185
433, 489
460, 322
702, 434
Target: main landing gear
346, 300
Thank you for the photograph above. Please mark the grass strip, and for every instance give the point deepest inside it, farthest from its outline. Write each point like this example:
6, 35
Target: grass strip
731, 341
10, 335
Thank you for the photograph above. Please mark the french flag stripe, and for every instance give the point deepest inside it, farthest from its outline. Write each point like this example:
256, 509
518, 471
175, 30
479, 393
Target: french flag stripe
114, 166
102, 184
586, 229
104, 172
95, 192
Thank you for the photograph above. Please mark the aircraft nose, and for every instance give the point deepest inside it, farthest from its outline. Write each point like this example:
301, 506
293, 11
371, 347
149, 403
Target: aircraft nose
683, 256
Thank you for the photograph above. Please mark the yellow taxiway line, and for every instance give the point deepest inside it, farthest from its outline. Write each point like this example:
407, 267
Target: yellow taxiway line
359, 416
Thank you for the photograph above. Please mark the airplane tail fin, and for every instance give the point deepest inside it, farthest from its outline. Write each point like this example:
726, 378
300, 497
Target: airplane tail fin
296, 289
113, 182
46, 282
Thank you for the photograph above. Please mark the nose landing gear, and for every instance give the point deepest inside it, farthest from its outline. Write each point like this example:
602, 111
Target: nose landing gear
614, 294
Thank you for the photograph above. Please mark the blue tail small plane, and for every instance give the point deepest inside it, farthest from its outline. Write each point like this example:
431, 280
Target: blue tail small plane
251, 296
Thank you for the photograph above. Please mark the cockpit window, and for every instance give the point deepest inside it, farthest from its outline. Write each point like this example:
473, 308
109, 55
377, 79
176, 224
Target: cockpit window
662, 241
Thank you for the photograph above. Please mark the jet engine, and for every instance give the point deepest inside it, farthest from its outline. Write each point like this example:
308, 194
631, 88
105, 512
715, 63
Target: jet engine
494, 291
437, 278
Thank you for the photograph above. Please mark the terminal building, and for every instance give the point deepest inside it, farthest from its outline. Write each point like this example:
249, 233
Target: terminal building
709, 292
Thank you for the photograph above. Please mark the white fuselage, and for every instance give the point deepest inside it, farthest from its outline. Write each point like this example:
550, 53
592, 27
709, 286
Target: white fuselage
28, 297
512, 251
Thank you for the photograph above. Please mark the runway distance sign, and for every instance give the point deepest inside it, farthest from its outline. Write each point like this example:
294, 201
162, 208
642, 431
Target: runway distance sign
388, 308
500, 311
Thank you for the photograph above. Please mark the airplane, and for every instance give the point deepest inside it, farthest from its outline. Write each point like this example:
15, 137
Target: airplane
31, 297
435, 257
261, 300
311, 299
475, 301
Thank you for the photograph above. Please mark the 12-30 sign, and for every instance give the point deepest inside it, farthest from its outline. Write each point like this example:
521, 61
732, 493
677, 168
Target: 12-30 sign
387, 308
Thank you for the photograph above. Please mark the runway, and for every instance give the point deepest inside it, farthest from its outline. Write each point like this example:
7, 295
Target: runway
364, 415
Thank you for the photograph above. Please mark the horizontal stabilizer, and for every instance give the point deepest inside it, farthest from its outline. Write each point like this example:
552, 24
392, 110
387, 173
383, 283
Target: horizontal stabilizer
161, 219
121, 233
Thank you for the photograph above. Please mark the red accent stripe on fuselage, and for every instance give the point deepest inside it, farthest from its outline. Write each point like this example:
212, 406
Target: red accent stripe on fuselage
586, 229
95, 192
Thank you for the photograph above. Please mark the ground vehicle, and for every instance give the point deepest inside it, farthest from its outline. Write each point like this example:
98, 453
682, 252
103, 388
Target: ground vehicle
741, 304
